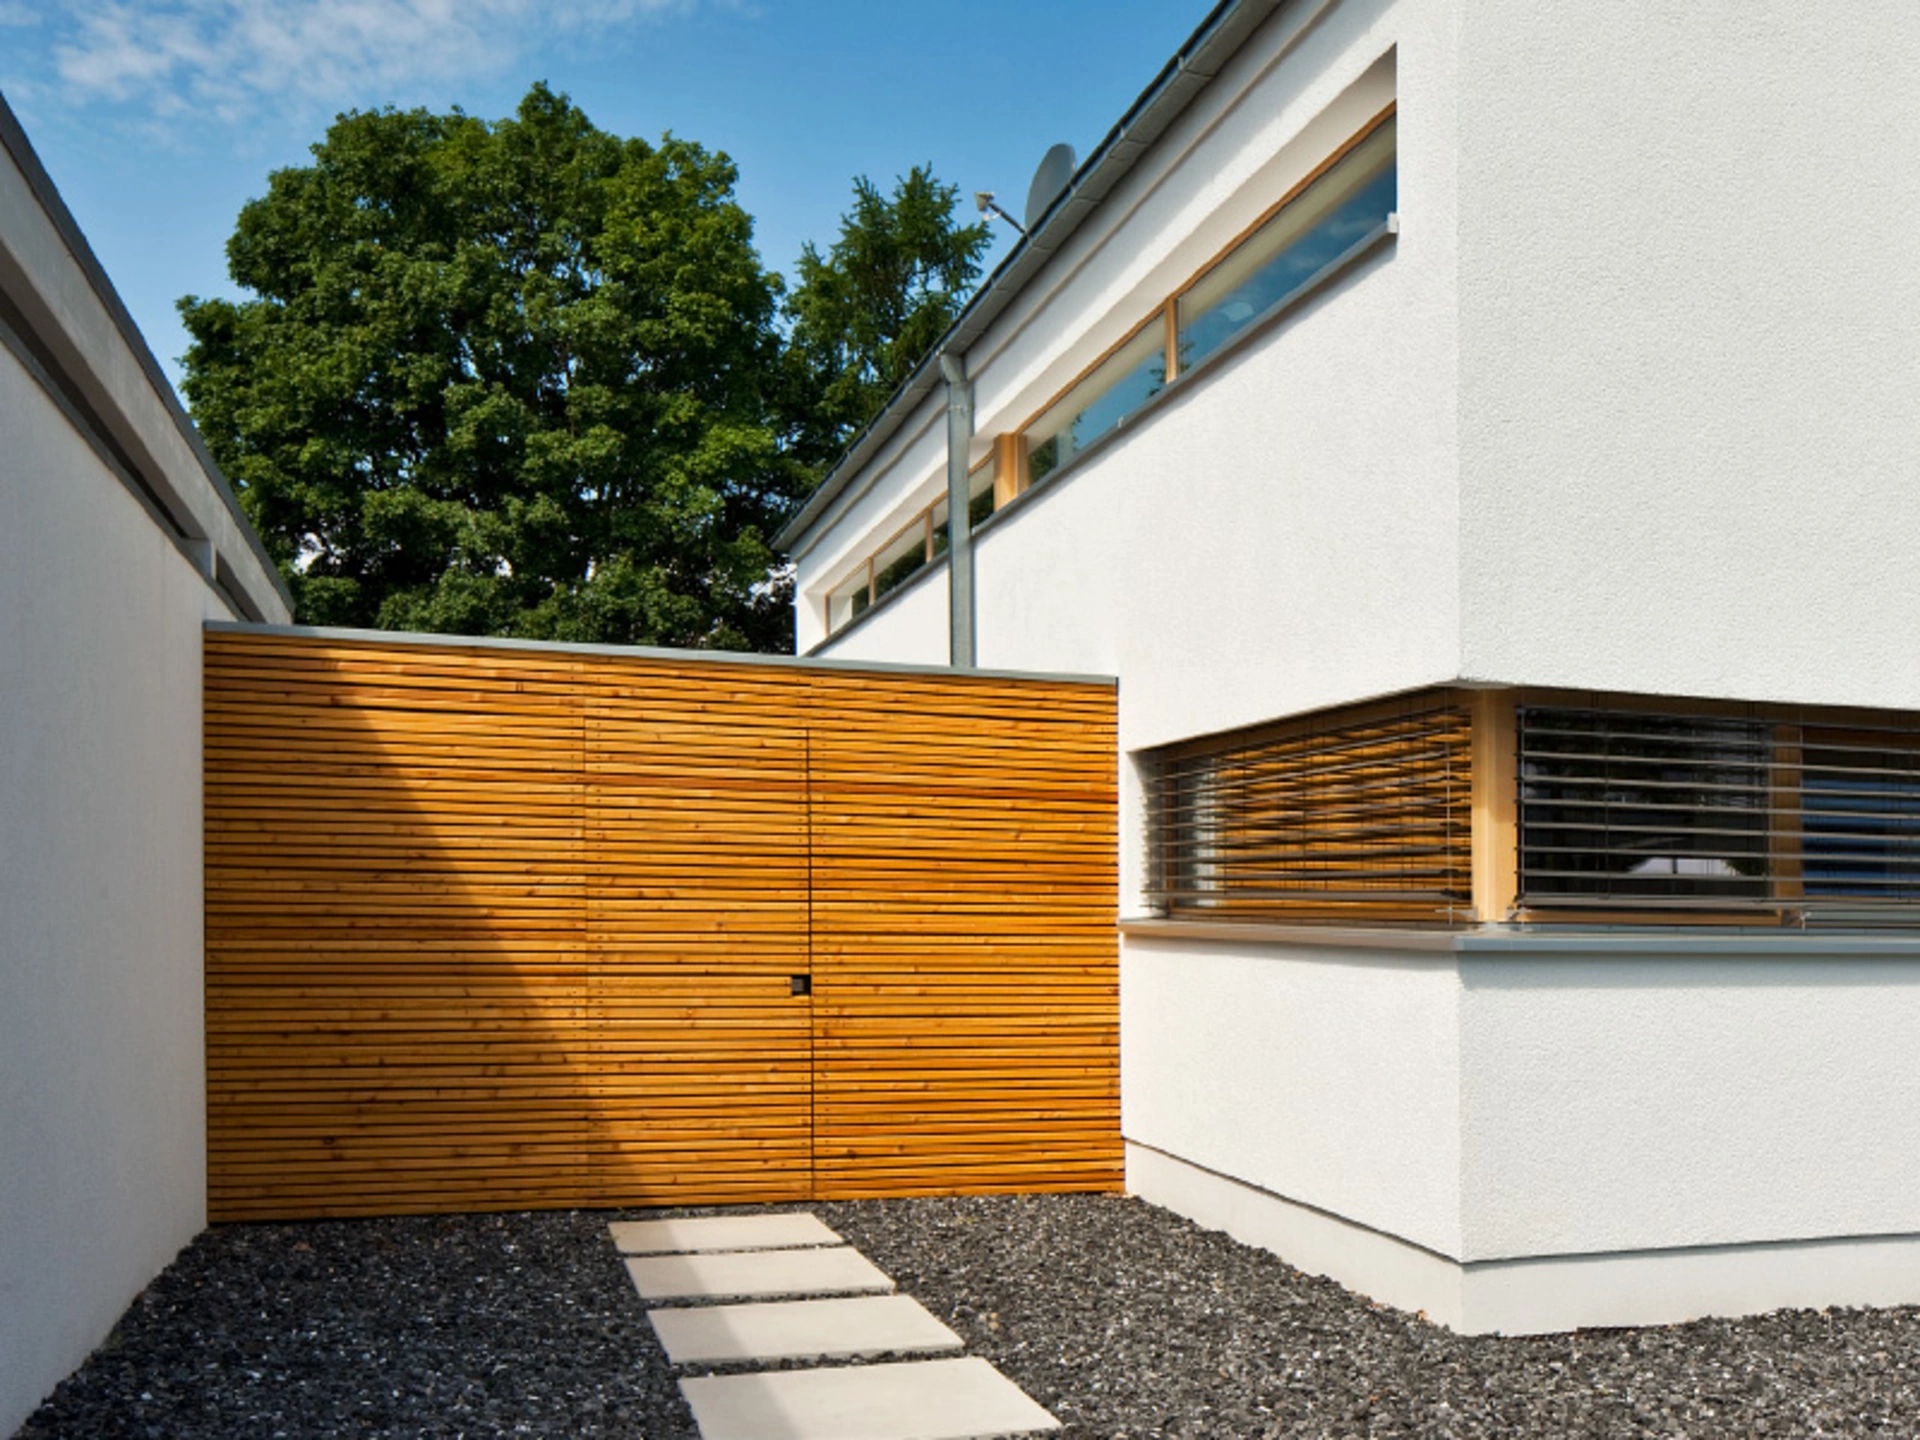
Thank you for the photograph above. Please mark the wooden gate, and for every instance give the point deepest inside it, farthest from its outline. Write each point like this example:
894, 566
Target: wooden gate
498, 927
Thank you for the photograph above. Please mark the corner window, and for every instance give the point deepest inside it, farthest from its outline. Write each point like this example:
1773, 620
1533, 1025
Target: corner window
1592, 810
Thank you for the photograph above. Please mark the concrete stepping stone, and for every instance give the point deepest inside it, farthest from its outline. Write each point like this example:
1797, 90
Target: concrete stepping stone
720, 1232
912, 1400
800, 1330
756, 1273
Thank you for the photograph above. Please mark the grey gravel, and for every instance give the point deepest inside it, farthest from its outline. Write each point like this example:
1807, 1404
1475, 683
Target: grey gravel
1126, 1322
441, 1326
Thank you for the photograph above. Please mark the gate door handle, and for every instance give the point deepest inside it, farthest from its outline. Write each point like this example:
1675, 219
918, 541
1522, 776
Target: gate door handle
802, 985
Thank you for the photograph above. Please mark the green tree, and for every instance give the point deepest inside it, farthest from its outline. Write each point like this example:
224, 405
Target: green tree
864, 315
512, 378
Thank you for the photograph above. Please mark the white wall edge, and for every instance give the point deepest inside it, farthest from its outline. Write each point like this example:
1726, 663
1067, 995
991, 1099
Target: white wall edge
1665, 1287
1543, 1295
1378, 1266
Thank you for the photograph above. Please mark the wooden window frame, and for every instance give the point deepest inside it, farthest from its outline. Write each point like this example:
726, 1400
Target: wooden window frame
1166, 312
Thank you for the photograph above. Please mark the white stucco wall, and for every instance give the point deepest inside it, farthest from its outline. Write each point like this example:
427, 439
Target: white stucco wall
1327, 1076
105, 582
103, 1120
1690, 456
908, 474
1288, 520
911, 628
1651, 1098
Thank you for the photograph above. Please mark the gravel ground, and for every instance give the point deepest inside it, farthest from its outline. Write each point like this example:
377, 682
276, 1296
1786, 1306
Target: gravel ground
1123, 1320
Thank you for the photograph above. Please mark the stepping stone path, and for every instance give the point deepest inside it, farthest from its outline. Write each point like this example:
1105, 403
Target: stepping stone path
839, 1271
842, 1308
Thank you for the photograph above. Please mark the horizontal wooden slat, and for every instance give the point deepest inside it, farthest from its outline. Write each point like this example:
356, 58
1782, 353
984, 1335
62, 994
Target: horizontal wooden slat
491, 929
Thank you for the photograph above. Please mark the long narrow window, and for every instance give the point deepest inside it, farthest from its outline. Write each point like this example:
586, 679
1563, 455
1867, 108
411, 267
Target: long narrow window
911, 549
1332, 217
1338, 210
1100, 403
1362, 814
1329, 219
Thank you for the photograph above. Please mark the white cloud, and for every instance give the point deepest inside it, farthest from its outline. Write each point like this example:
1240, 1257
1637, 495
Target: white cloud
232, 59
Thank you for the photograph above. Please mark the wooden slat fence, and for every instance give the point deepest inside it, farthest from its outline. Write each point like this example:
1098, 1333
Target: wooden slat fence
493, 928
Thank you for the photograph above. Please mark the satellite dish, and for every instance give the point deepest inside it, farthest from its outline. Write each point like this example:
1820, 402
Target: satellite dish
1056, 169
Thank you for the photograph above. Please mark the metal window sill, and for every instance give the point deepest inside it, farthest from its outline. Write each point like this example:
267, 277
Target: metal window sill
1625, 942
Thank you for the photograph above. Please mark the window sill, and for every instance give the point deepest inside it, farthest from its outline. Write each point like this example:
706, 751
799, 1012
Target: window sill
1626, 942
1227, 932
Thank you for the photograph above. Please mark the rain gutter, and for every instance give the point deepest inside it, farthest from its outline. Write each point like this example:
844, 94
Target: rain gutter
1194, 66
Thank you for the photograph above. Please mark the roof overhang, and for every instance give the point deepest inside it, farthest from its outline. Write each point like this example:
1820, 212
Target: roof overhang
1192, 68
51, 281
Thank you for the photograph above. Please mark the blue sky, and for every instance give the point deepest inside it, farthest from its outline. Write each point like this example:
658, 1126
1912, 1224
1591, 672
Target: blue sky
158, 119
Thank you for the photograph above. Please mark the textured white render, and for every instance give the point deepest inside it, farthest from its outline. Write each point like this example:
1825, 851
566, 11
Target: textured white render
912, 627
1369, 1262
1537, 1294
103, 1125
1690, 452
1632, 1101
1327, 1075
102, 1087
1534, 1133
909, 474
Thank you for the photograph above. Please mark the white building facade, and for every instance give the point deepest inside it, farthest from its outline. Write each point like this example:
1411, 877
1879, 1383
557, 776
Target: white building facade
118, 540
1479, 436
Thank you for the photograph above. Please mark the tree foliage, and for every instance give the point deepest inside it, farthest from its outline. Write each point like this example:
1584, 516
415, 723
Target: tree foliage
864, 315
514, 378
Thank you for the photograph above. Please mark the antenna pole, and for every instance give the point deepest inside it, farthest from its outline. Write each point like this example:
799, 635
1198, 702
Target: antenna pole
988, 206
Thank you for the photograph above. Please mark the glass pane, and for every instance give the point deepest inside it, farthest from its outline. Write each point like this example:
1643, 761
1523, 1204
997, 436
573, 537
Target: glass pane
1333, 213
1131, 376
941, 542
900, 560
1860, 813
980, 506
847, 599
1620, 805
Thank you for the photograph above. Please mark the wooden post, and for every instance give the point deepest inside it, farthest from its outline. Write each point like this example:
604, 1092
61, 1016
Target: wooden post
1009, 467
1496, 806
1785, 839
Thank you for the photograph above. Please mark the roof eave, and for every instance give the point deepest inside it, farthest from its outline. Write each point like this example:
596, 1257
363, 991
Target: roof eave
1178, 84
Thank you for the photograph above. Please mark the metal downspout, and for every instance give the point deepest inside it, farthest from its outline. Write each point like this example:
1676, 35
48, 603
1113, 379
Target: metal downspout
960, 651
